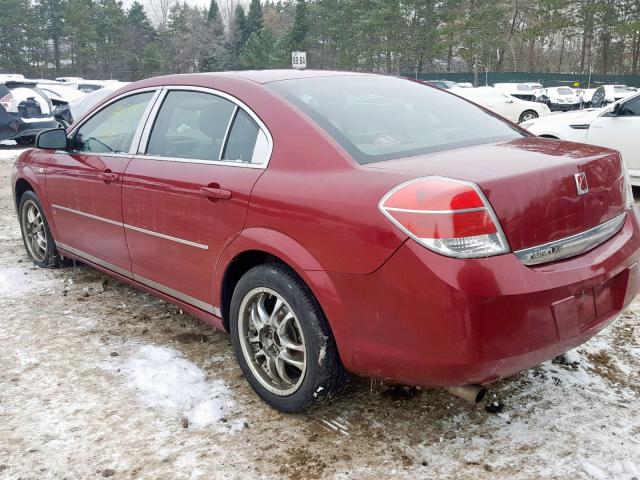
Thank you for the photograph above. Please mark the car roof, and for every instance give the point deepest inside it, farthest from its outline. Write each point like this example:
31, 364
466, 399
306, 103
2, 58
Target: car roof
266, 76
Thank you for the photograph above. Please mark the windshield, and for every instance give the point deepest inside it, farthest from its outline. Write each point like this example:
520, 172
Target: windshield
379, 118
623, 89
524, 88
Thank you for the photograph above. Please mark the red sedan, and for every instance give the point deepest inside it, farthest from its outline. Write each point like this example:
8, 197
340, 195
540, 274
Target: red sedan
338, 223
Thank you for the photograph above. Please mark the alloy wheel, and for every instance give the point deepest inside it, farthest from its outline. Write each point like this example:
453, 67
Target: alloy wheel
34, 231
272, 341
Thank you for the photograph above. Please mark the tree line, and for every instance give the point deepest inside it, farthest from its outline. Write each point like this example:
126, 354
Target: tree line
103, 39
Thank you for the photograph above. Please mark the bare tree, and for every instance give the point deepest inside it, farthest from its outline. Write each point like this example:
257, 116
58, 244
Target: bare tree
227, 9
159, 12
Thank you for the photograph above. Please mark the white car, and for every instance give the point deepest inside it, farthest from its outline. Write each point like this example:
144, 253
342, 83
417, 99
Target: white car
69, 79
511, 108
519, 90
82, 105
615, 126
559, 99
88, 86
585, 95
606, 94
59, 92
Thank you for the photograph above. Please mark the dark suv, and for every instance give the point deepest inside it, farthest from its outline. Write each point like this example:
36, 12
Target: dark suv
25, 110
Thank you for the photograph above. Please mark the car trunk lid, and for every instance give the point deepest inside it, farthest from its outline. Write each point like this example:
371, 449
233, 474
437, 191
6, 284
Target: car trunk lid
531, 184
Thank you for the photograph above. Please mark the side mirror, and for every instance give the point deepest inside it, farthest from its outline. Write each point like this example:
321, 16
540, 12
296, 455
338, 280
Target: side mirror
54, 139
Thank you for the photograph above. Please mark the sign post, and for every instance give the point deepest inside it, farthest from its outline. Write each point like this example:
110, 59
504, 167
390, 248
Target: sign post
299, 60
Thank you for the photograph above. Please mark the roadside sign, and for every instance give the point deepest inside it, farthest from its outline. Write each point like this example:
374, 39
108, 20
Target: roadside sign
299, 60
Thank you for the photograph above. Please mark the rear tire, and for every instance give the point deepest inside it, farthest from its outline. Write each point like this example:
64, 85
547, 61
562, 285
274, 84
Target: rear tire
36, 235
282, 340
528, 115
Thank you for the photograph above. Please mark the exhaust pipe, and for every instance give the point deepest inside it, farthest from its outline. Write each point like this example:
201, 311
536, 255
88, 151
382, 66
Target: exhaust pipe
471, 393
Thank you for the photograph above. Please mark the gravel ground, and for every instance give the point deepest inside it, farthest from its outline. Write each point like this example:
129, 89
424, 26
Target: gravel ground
99, 380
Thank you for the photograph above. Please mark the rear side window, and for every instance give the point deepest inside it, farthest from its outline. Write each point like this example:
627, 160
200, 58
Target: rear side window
112, 129
242, 139
379, 118
191, 125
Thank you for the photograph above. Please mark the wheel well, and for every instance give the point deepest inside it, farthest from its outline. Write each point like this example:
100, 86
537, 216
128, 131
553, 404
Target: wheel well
235, 270
22, 186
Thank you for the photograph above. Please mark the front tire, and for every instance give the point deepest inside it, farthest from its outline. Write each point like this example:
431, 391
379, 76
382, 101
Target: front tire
37, 238
282, 340
528, 115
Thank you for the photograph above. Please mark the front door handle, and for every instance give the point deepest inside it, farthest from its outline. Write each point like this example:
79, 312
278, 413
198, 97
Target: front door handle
214, 192
108, 176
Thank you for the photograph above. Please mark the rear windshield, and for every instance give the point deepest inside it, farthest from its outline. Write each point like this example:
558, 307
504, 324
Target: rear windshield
379, 118
565, 91
524, 88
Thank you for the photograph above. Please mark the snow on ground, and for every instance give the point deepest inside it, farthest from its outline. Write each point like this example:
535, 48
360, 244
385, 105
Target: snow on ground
99, 380
165, 379
9, 153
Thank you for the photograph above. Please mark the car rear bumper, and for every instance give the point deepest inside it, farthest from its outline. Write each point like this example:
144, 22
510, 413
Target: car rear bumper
426, 319
554, 107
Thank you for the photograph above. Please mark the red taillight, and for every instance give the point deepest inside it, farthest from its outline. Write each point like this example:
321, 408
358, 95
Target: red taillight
7, 102
447, 216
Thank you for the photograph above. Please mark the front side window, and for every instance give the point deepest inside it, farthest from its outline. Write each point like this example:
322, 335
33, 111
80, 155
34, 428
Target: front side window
191, 125
111, 130
379, 118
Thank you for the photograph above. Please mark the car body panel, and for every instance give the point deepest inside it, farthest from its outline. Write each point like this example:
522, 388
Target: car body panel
532, 212
87, 210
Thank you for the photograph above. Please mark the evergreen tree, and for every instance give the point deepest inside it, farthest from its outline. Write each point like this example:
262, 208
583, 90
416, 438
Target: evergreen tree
236, 39
214, 54
298, 36
139, 34
254, 21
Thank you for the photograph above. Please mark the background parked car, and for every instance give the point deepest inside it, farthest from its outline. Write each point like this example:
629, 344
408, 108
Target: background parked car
518, 90
66, 114
585, 95
88, 86
69, 79
615, 126
444, 84
606, 94
59, 93
559, 99
509, 107
25, 110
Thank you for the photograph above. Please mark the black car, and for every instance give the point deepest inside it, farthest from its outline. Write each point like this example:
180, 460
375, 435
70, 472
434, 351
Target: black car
25, 110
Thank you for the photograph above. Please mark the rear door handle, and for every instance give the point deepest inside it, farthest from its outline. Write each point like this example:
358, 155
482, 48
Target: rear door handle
215, 193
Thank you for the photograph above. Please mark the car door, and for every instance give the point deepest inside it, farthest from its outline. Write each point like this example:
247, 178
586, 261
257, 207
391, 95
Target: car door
186, 193
620, 132
84, 183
